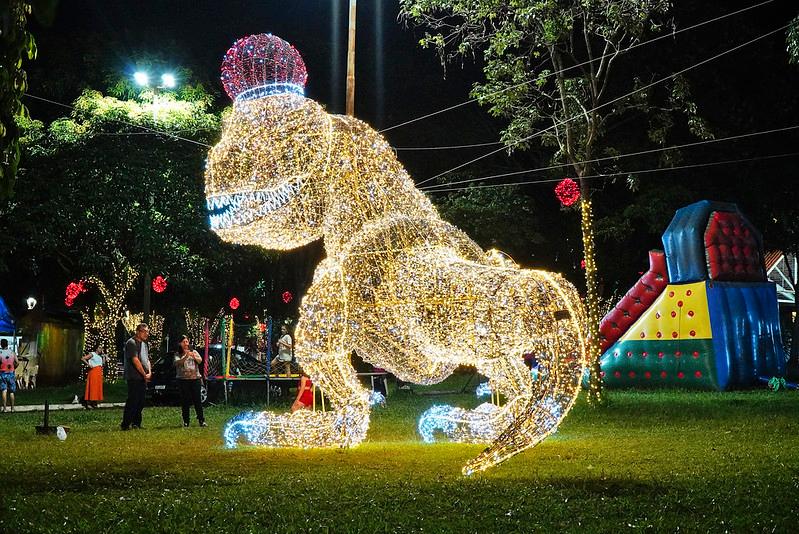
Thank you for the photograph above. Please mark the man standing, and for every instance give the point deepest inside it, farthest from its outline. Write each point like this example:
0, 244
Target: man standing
285, 348
8, 381
137, 374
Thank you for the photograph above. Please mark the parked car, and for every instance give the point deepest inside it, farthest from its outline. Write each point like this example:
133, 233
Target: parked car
163, 388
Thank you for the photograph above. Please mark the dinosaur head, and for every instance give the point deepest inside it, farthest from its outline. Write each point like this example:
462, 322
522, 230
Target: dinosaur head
261, 180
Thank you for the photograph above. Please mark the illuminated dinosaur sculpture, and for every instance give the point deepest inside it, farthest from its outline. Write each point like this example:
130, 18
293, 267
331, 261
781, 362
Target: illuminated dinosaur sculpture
406, 290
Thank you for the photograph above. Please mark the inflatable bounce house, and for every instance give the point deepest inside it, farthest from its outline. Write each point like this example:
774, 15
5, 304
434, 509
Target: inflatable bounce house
703, 316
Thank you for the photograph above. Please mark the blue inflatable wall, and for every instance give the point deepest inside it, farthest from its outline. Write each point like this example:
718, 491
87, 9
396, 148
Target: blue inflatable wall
746, 332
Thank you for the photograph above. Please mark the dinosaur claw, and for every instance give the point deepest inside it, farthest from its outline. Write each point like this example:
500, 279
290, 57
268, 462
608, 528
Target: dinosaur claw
303, 428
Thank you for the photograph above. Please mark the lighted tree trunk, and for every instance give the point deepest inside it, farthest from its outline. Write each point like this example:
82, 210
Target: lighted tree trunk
592, 294
101, 320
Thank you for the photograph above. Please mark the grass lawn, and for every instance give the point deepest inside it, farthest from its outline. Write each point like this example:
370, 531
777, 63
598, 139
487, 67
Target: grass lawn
656, 461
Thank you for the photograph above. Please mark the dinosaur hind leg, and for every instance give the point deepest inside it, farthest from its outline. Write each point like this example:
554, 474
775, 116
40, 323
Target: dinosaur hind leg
507, 375
537, 401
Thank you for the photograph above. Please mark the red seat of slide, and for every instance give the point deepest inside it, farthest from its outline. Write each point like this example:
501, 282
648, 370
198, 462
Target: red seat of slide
636, 301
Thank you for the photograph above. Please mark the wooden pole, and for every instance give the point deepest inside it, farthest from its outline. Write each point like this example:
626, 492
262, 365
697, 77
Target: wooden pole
351, 63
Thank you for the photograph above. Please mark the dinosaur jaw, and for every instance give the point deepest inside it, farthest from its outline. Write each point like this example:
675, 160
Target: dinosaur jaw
240, 209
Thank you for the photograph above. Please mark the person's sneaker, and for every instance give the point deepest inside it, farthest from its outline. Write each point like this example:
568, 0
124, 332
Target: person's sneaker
202, 424
136, 427
185, 425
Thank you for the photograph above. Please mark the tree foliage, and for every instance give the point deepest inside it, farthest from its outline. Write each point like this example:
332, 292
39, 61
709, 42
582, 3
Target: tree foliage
549, 68
18, 45
792, 41
504, 218
111, 184
103, 187
103, 184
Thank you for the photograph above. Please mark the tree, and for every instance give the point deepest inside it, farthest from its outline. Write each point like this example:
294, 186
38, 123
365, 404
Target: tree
18, 45
110, 181
101, 319
103, 184
504, 219
549, 65
792, 41
105, 188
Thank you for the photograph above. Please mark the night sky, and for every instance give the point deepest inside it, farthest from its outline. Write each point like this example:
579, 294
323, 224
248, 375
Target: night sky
748, 90
401, 83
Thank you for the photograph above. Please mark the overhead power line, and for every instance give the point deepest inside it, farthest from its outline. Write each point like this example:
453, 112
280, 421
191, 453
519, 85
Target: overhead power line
610, 102
448, 147
606, 176
434, 187
584, 63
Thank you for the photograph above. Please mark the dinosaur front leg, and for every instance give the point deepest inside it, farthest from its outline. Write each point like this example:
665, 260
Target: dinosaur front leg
342, 426
320, 349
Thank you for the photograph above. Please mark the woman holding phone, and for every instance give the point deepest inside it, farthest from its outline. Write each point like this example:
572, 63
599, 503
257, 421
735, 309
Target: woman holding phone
187, 368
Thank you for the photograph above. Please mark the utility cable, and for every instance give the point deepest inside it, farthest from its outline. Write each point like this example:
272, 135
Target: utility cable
618, 156
600, 106
642, 43
620, 173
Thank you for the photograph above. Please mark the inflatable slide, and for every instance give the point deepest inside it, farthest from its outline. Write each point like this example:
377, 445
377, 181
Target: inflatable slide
703, 316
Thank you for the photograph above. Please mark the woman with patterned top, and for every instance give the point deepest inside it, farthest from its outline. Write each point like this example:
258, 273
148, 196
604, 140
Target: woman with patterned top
94, 377
187, 368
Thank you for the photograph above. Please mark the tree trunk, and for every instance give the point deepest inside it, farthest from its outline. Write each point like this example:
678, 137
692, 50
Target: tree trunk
595, 396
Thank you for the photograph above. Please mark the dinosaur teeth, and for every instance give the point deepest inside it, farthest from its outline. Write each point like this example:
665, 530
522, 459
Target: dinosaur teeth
243, 208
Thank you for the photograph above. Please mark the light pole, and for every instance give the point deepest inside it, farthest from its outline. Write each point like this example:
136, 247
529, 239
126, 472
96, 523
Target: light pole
168, 81
351, 62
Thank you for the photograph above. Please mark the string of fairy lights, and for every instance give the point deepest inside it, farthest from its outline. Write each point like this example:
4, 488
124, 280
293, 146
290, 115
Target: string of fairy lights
155, 326
101, 319
407, 291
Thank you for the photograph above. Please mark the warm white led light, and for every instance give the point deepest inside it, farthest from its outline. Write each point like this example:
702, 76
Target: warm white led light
406, 290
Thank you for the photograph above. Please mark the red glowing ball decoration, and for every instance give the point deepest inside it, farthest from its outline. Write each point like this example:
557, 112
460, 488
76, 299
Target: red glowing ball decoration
287, 296
159, 284
73, 290
234, 303
262, 65
567, 191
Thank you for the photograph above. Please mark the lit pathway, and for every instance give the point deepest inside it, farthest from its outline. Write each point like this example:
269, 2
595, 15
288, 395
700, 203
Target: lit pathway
55, 407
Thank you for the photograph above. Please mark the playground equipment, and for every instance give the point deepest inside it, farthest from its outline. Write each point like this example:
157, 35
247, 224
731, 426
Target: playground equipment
703, 316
